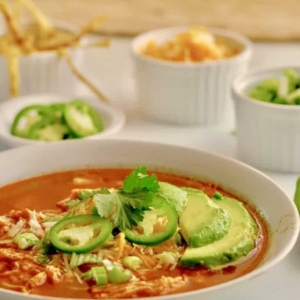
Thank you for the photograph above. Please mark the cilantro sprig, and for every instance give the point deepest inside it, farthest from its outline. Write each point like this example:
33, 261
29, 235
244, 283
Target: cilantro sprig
139, 180
126, 206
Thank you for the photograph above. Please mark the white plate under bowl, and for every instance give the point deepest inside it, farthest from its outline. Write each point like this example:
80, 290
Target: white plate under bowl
236, 177
113, 118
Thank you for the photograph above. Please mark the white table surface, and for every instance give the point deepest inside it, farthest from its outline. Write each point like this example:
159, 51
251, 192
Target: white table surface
112, 70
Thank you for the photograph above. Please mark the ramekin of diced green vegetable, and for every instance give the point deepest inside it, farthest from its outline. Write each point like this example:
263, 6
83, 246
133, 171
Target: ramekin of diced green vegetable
278, 90
51, 118
267, 108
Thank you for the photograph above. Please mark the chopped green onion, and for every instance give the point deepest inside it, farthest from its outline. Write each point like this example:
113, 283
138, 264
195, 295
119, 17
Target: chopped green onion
99, 275
42, 259
80, 259
218, 196
119, 275
50, 219
96, 273
292, 77
270, 85
260, 94
132, 262
26, 240
283, 86
292, 96
283, 90
87, 275
72, 203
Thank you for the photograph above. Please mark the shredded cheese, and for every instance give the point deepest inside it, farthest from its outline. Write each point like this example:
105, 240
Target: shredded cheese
16, 228
35, 226
121, 245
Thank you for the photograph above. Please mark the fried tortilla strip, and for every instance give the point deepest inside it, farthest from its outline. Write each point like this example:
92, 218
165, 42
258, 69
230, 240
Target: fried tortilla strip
17, 11
90, 27
43, 22
12, 24
100, 43
80, 76
74, 40
13, 58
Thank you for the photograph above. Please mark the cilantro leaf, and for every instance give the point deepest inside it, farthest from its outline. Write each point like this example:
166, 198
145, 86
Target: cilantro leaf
123, 210
85, 194
140, 180
126, 207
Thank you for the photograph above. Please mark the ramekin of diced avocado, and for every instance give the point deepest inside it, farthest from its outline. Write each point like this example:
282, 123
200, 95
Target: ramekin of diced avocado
284, 89
267, 109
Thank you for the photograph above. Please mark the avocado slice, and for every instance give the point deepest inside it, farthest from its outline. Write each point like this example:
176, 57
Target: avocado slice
237, 243
203, 222
174, 195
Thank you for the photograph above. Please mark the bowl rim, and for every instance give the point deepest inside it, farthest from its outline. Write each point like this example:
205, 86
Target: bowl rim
245, 53
239, 96
115, 114
115, 143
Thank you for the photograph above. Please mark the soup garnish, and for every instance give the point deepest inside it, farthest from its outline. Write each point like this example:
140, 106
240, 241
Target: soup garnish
282, 90
138, 237
193, 46
57, 121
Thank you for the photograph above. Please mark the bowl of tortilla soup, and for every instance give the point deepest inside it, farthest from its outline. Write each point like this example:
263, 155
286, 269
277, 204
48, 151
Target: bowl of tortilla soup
125, 219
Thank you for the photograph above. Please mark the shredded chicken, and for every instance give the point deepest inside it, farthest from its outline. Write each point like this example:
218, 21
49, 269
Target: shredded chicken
37, 280
162, 286
12, 255
17, 214
54, 274
20, 270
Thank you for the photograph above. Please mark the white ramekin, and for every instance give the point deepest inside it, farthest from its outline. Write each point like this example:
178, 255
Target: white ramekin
42, 73
113, 118
186, 93
268, 135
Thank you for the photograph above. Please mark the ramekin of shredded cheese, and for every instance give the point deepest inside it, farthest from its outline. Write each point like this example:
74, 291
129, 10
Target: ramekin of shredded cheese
183, 74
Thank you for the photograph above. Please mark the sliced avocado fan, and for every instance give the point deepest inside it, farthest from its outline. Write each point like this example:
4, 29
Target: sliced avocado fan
174, 195
203, 222
237, 243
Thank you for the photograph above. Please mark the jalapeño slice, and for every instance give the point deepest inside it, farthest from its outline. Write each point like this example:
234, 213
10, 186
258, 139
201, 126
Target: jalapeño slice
29, 116
47, 130
80, 234
82, 118
58, 110
145, 233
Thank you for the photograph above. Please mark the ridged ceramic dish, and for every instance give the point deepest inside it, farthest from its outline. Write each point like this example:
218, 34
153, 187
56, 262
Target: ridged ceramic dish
260, 191
268, 135
187, 93
42, 73
113, 119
